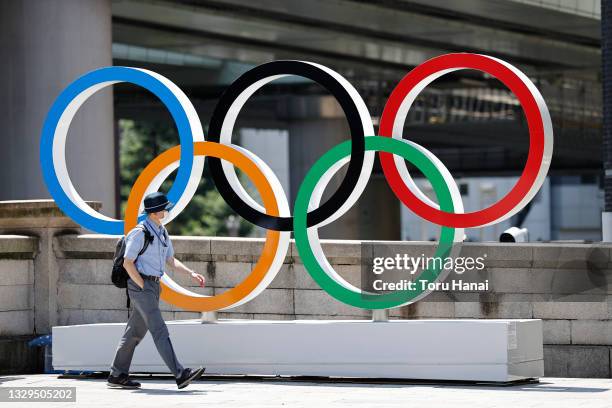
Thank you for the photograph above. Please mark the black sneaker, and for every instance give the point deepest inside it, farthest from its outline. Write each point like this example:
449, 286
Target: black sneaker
188, 376
122, 381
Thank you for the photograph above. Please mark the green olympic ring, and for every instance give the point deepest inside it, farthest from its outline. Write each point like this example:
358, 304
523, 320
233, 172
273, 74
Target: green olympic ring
367, 300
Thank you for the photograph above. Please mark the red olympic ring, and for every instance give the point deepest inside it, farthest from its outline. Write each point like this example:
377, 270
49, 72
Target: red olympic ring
538, 159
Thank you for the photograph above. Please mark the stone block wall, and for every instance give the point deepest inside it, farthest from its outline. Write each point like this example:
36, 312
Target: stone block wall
86, 293
17, 304
17, 284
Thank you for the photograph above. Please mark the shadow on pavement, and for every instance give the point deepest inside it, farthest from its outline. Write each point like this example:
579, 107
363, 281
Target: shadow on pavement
526, 386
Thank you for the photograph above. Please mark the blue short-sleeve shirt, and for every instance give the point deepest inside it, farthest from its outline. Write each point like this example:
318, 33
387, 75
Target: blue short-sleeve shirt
153, 260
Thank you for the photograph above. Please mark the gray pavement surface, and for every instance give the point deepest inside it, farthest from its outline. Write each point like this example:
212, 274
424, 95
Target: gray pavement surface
242, 392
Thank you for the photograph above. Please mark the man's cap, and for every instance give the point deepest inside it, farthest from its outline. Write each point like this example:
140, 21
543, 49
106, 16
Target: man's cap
155, 202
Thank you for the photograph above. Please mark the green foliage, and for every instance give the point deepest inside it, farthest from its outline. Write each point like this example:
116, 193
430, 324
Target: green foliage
206, 214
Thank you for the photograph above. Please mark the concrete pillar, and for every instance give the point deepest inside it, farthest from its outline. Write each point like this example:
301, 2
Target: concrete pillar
309, 139
379, 210
315, 126
606, 74
45, 45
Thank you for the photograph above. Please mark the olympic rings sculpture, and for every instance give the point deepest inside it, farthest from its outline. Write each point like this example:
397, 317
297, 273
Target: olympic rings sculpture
309, 213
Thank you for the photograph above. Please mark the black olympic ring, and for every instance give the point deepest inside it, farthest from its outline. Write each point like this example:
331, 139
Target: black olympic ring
348, 105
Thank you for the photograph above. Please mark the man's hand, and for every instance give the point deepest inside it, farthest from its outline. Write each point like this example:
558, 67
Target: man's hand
198, 278
177, 265
129, 266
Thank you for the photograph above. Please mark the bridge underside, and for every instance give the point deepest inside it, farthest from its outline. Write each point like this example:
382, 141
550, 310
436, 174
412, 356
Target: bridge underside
204, 45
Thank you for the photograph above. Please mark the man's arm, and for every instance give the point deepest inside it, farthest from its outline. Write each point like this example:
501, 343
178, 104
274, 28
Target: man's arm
178, 266
134, 243
129, 266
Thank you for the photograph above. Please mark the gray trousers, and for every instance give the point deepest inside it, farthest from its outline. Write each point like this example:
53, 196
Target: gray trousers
145, 315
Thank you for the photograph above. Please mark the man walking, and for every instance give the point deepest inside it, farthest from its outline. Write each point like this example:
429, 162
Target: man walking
144, 272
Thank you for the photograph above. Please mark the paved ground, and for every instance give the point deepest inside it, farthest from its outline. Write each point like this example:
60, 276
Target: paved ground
160, 392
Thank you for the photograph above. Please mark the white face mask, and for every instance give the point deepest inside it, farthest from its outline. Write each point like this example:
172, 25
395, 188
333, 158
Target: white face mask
160, 215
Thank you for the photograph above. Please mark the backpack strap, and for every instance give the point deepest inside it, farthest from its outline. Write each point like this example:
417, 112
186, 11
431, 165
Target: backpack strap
148, 238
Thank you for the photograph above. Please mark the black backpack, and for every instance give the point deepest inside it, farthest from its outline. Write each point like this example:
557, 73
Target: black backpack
119, 275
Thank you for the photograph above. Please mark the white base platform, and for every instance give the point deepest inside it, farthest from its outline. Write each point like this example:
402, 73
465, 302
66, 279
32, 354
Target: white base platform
466, 350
